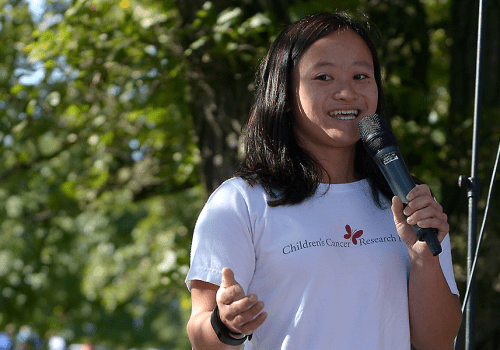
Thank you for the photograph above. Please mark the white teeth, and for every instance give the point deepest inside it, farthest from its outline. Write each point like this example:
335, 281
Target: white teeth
344, 114
346, 118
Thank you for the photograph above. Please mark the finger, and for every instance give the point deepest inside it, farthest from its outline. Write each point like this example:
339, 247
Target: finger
423, 208
439, 222
420, 203
427, 211
251, 327
250, 313
244, 310
241, 312
417, 191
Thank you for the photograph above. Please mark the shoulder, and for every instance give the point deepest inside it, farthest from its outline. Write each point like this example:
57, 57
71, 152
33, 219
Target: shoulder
237, 193
236, 186
235, 183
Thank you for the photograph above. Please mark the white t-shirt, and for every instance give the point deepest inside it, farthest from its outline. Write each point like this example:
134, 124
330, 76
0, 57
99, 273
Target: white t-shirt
332, 271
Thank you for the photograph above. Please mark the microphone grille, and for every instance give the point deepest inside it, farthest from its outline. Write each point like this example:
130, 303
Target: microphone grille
376, 133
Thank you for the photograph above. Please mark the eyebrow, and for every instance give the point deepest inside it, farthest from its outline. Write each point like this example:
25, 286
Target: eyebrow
361, 63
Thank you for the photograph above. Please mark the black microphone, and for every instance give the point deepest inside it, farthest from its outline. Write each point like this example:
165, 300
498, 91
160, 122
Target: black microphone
380, 143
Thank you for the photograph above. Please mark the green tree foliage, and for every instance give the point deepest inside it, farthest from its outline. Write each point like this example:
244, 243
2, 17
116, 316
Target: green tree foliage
99, 180
107, 160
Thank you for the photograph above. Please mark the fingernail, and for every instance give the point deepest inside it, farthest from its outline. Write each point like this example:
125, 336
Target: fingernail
409, 196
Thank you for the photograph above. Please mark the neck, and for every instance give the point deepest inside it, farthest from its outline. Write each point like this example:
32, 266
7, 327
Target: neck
338, 166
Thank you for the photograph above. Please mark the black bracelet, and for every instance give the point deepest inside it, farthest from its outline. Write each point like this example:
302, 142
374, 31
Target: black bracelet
223, 333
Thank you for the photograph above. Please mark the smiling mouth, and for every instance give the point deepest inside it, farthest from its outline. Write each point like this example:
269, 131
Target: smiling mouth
348, 114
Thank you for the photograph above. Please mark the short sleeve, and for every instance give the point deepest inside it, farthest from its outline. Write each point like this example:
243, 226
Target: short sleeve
223, 238
446, 263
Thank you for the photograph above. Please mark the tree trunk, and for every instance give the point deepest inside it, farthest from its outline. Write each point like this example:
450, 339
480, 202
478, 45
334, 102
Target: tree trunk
220, 95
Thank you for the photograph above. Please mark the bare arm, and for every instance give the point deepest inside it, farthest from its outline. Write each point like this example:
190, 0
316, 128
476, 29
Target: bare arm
435, 313
240, 313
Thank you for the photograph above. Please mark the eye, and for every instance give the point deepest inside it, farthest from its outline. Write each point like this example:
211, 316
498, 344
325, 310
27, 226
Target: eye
360, 76
324, 77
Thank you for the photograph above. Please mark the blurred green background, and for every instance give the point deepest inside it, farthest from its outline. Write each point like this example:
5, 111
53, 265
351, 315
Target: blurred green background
119, 117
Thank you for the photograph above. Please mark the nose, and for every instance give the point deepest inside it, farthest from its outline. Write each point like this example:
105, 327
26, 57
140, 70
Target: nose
345, 91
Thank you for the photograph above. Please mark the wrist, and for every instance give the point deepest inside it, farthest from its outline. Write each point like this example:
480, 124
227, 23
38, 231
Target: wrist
224, 334
419, 259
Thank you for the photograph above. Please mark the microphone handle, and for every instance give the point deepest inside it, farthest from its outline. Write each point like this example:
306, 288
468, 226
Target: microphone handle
392, 165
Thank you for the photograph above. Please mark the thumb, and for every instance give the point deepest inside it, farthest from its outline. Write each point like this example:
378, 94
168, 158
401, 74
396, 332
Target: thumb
397, 210
229, 290
405, 231
227, 278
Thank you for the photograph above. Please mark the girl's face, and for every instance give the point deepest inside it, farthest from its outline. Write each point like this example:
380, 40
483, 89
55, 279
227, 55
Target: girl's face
333, 88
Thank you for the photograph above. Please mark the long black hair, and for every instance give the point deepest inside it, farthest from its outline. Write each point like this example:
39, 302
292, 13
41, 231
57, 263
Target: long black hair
273, 159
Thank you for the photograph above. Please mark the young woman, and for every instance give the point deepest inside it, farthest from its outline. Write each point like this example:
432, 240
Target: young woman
302, 249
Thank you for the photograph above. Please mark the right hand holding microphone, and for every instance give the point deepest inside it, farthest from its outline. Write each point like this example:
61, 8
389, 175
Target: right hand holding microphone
239, 312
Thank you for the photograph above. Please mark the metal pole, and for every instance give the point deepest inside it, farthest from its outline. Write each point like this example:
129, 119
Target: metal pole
474, 184
470, 309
